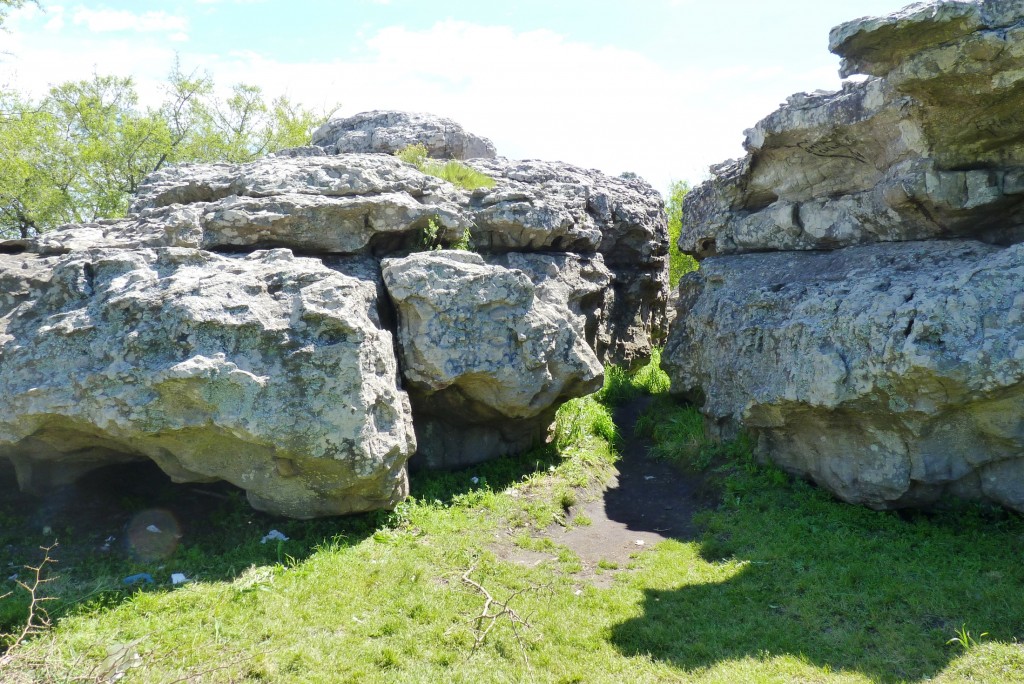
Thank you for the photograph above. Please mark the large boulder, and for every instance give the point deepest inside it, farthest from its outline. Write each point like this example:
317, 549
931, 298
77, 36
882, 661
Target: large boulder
486, 359
930, 146
889, 374
269, 371
889, 370
388, 132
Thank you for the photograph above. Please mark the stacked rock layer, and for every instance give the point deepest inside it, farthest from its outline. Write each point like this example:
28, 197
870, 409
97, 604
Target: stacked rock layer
860, 304
275, 325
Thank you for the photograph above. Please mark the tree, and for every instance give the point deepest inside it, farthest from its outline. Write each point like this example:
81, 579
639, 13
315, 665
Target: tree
81, 152
679, 264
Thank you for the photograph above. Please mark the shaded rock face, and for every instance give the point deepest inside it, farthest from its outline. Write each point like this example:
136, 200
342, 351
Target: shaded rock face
890, 369
930, 146
390, 132
272, 324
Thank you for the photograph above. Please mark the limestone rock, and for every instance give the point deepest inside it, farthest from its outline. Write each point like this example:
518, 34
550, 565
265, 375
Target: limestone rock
485, 359
171, 226
346, 175
552, 206
349, 204
388, 132
173, 335
890, 374
932, 147
270, 371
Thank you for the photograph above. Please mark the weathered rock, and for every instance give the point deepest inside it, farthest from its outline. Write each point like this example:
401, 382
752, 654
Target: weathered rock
269, 371
877, 45
350, 204
388, 132
123, 339
890, 374
552, 206
933, 149
172, 226
486, 360
361, 203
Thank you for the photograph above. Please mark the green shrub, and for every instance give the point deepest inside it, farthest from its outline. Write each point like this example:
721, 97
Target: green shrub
679, 264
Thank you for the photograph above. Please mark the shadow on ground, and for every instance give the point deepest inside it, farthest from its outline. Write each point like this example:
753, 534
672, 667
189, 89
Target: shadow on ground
838, 586
131, 519
647, 502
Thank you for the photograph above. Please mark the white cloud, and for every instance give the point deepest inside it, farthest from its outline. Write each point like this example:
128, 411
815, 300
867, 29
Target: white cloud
104, 20
536, 94
55, 21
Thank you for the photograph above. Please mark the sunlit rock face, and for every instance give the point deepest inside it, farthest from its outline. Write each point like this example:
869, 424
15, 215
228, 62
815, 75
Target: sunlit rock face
267, 370
859, 308
930, 145
390, 131
279, 325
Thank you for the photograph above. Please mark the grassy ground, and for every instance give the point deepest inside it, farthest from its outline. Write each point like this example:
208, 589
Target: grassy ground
785, 585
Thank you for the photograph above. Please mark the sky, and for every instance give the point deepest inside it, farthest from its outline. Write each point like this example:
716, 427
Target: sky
661, 88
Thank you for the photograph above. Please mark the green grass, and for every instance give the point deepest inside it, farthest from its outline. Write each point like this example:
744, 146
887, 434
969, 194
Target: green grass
785, 584
455, 172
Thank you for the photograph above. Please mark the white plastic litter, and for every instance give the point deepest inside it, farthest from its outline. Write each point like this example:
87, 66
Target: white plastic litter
474, 480
273, 535
178, 578
153, 528
639, 542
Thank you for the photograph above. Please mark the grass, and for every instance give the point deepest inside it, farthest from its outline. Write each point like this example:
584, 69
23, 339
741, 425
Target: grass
785, 584
455, 172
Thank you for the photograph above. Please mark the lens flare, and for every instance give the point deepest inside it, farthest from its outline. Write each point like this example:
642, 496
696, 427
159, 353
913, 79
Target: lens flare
153, 534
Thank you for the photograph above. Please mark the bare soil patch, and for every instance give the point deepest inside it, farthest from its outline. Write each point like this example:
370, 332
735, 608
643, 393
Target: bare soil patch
649, 501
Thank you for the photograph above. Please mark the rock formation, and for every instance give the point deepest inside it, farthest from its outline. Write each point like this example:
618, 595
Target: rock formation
390, 132
520, 354
274, 324
890, 370
931, 146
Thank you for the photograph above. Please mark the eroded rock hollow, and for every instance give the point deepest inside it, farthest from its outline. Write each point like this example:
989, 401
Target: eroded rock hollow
276, 324
859, 308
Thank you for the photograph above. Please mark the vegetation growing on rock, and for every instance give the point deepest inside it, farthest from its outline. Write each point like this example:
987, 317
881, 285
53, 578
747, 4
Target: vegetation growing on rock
453, 171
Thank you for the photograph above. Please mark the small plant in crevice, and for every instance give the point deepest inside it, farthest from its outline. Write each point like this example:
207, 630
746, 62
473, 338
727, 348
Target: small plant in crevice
432, 237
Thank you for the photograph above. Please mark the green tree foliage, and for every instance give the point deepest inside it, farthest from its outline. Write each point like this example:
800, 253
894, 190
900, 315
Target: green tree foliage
679, 264
79, 153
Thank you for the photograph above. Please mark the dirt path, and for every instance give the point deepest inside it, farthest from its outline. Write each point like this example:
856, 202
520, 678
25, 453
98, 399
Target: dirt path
648, 502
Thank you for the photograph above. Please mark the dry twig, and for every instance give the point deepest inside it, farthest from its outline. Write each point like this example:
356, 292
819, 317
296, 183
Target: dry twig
494, 610
37, 620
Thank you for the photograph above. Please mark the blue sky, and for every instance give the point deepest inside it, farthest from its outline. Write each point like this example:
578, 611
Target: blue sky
659, 87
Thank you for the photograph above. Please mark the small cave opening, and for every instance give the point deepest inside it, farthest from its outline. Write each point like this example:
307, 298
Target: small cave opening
115, 517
